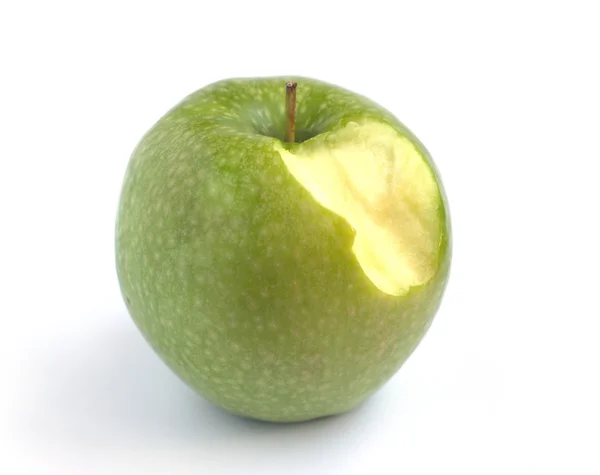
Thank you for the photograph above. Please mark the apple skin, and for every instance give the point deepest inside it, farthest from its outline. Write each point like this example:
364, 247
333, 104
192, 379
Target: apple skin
245, 286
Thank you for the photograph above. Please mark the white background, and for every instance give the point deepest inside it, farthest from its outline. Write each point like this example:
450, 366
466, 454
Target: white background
506, 97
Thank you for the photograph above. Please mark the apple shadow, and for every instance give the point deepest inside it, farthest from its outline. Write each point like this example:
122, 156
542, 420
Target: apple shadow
107, 390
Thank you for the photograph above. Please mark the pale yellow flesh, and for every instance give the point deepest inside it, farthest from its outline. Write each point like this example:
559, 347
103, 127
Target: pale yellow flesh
378, 181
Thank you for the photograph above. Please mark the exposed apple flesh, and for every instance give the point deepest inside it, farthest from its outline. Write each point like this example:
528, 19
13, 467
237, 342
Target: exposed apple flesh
381, 185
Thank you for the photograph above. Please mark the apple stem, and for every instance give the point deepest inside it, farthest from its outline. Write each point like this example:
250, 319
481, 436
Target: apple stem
290, 111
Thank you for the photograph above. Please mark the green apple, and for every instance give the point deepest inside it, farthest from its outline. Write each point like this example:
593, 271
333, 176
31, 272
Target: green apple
283, 281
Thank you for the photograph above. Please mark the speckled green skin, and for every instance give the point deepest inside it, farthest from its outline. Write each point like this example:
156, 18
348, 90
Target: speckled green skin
242, 283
